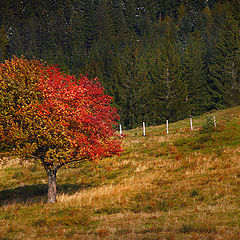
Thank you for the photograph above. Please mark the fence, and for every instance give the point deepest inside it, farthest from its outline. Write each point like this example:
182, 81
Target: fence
168, 131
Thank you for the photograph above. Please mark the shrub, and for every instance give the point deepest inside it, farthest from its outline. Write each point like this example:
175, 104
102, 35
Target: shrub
208, 125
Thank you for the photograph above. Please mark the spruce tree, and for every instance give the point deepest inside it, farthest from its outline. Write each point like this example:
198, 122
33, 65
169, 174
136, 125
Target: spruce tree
3, 44
130, 84
165, 73
225, 67
194, 76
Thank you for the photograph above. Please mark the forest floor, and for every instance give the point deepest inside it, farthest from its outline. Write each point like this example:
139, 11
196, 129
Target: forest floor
184, 185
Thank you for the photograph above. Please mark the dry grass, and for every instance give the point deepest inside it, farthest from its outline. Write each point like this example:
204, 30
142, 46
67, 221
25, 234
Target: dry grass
185, 185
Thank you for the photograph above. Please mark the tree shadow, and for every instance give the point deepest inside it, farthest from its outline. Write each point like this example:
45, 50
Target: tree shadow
36, 193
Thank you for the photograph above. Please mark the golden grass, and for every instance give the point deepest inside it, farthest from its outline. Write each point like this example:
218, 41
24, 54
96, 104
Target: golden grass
159, 191
109, 194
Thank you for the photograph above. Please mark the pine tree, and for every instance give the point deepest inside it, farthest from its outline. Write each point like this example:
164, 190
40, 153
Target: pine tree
165, 73
194, 76
119, 19
89, 24
3, 44
225, 69
78, 53
105, 24
130, 84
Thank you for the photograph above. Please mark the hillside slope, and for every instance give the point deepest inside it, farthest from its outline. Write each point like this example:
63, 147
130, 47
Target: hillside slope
184, 185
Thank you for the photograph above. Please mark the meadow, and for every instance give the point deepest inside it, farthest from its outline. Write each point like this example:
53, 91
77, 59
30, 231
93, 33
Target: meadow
181, 185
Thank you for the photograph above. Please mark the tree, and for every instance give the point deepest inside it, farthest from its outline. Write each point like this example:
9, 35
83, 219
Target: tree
3, 44
225, 68
166, 76
194, 76
53, 117
130, 84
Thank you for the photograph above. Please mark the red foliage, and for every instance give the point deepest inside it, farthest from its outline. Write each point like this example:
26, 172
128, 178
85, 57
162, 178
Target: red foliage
62, 118
83, 113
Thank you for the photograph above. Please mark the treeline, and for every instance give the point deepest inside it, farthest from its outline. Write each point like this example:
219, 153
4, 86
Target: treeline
158, 59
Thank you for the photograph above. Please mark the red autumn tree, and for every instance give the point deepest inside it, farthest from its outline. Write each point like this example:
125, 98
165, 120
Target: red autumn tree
54, 117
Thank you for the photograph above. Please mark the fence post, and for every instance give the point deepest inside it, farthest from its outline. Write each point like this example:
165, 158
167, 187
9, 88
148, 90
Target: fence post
191, 124
144, 131
120, 130
214, 120
167, 125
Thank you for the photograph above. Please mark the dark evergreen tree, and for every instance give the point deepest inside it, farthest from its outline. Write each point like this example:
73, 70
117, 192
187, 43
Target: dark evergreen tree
225, 67
166, 74
130, 84
195, 77
3, 44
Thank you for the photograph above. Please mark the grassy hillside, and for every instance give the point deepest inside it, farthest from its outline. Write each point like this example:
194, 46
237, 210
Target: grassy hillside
184, 185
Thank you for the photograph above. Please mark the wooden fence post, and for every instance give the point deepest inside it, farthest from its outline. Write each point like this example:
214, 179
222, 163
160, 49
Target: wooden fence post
214, 120
120, 130
191, 124
167, 125
144, 131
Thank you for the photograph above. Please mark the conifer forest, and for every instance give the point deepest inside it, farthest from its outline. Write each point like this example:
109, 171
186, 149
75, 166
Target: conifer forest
158, 59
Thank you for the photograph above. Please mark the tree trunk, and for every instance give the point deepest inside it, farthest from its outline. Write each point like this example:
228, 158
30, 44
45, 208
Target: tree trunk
52, 186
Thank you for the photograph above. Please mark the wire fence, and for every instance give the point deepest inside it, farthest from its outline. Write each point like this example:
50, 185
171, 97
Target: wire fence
186, 125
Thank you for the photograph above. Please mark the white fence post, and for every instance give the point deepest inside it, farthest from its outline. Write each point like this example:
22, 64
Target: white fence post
191, 124
214, 120
144, 131
167, 125
120, 130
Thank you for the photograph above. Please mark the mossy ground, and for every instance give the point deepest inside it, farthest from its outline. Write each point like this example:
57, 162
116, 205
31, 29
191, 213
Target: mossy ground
184, 185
